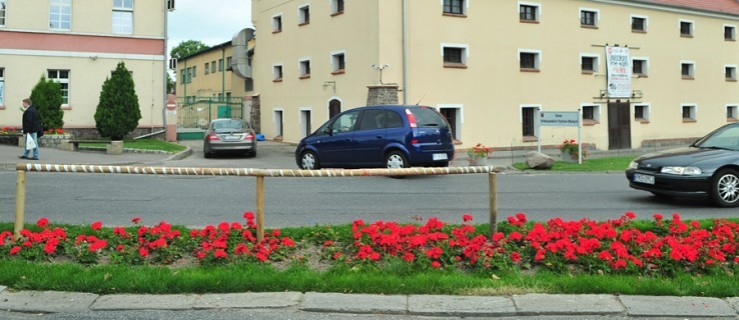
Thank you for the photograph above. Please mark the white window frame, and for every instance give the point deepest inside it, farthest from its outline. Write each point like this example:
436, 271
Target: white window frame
596, 111
733, 31
281, 123
63, 82
680, 27
465, 50
122, 26
735, 109
646, 114
465, 8
596, 62
334, 61
277, 27
2, 88
3, 4
733, 73
304, 19
693, 111
531, 4
537, 114
646, 23
459, 110
691, 74
278, 76
302, 124
304, 72
645, 66
597, 17
59, 5
537, 61
335, 7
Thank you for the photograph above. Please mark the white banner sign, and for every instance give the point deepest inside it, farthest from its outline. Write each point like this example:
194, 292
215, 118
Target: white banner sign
560, 119
619, 72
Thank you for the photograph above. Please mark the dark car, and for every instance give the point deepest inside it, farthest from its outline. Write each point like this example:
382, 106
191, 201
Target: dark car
707, 168
394, 136
229, 135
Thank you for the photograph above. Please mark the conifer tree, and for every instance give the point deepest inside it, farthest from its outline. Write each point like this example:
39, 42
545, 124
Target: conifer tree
118, 110
46, 96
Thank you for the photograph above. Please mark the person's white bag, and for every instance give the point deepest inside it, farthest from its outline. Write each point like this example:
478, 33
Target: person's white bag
30, 144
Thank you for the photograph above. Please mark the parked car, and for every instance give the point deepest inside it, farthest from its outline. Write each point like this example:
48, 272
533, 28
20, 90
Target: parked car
230, 135
707, 168
396, 136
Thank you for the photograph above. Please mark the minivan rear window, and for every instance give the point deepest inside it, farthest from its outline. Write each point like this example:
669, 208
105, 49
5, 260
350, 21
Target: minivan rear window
427, 117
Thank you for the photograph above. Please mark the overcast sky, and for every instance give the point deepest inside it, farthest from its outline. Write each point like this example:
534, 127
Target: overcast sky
212, 22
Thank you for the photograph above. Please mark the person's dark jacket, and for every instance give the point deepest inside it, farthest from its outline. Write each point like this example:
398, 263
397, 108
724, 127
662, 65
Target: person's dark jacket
32, 120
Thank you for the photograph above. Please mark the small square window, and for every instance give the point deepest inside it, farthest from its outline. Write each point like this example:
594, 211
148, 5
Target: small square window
590, 114
638, 24
338, 62
529, 61
304, 15
730, 73
687, 70
688, 113
454, 57
729, 33
304, 69
686, 28
641, 112
277, 73
588, 64
731, 113
528, 12
337, 7
454, 7
277, 24
639, 67
588, 18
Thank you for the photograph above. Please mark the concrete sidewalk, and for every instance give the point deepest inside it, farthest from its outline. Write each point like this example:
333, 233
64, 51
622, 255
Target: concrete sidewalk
418, 305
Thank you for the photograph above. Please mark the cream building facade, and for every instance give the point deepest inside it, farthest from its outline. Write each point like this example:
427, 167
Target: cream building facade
492, 67
79, 43
208, 73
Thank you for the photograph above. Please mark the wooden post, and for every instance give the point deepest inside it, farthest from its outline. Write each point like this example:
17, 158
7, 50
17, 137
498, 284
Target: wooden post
260, 208
20, 203
493, 203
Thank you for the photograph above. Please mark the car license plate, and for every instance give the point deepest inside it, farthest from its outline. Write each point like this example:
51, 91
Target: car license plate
440, 156
643, 178
233, 137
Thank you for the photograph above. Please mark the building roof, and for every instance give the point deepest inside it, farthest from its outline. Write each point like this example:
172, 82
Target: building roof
719, 6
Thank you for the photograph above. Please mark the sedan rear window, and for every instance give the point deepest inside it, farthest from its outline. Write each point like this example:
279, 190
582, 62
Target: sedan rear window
427, 117
229, 124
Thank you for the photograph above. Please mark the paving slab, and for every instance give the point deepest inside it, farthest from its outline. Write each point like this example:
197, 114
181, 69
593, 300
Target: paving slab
46, 301
567, 304
650, 306
461, 306
249, 300
145, 302
734, 303
354, 303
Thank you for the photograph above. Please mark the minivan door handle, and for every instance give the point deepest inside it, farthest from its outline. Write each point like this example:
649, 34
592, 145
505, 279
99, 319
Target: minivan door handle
379, 137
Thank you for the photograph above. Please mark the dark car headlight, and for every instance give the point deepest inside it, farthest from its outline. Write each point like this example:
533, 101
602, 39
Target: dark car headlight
682, 171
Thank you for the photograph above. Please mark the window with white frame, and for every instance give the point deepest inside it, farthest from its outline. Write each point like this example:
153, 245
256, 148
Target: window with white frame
60, 14
588, 63
529, 60
454, 55
687, 69
688, 111
337, 7
528, 121
590, 114
639, 24
589, 17
277, 23
2, 86
529, 11
454, 7
304, 15
277, 73
686, 28
731, 112
730, 72
2, 12
61, 77
639, 66
123, 16
338, 62
304, 68
729, 32
641, 112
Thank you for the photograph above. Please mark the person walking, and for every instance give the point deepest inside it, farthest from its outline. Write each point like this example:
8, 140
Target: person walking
31, 127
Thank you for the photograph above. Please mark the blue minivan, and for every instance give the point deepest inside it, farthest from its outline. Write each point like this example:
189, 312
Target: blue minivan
392, 136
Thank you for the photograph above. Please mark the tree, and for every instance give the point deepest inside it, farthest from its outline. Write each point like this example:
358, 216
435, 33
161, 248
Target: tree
46, 96
118, 110
170, 84
186, 48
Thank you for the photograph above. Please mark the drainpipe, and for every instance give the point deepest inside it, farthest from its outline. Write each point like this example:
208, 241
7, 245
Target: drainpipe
223, 72
404, 18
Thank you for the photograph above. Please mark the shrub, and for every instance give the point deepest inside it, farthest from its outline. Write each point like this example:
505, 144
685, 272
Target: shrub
118, 110
46, 96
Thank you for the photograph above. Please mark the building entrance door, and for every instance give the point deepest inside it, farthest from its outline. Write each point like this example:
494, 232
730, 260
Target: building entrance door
619, 125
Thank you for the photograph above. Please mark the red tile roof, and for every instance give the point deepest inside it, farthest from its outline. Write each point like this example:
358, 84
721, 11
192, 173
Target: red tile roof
722, 6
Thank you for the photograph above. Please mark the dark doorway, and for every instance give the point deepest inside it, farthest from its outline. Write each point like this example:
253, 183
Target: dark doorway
451, 116
334, 108
619, 125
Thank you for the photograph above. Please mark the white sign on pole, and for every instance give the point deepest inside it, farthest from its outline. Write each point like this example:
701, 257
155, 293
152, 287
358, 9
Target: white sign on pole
560, 119
619, 72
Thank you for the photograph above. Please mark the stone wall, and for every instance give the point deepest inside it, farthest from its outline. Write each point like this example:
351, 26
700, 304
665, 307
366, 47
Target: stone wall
382, 94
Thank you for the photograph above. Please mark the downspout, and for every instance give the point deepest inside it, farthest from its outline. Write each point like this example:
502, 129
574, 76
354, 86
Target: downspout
223, 72
165, 79
404, 18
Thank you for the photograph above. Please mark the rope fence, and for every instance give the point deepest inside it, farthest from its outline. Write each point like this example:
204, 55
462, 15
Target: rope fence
260, 174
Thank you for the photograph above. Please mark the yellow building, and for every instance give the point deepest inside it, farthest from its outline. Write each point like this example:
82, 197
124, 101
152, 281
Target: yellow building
493, 66
78, 43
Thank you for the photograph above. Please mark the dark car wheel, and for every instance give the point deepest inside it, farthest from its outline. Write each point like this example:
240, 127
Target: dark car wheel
396, 160
309, 161
725, 188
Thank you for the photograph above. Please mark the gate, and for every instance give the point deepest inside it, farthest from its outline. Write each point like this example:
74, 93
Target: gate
195, 113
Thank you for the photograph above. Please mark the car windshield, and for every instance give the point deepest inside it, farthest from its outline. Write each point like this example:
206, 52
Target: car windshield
723, 138
228, 125
427, 117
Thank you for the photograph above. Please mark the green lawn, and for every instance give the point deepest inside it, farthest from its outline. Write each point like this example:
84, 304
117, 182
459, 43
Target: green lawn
144, 144
596, 164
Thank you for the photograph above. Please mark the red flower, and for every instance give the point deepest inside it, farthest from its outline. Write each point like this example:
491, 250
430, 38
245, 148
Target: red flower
515, 256
15, 250
96, 225
43, 222
466, 217
435, 264
658, 217
136, 220
98, 245
143, 252
220, 253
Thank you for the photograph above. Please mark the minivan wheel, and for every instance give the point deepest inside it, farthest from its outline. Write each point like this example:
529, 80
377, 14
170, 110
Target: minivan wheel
309, 161
725, 188
396, 160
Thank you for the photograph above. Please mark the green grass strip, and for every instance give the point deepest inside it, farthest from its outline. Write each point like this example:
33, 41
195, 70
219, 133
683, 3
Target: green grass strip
588, 165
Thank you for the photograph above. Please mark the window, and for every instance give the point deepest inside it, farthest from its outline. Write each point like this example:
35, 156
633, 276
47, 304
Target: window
589, 18
731, 113
729, 32
304, 69
372, 120
213, 66
303, 15
123, 16
183, 76
687, 69
528, 121
2, 87
454, 7
529, 60
528, 12
590, 114
220, 64
345, 122
337, 7
338, 63
2, 15
638, 24
194, 71
686, 28
60, 14
730, 72
455, 56
641, 112
207, 68
228, 62
61, 77
248, 84
688, 111
639, 66
277, 23
588, 64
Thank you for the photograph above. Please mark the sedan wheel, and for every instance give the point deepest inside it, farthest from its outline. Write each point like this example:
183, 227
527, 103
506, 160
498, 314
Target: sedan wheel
309, 161
725, 188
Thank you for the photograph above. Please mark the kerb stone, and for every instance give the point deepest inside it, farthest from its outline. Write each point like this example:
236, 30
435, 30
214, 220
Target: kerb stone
461, 306
567, 304
354, 303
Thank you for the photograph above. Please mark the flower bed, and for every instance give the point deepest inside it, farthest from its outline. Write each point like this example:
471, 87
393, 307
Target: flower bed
583, 246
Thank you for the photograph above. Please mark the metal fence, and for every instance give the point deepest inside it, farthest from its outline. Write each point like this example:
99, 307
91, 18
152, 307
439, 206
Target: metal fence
195, 113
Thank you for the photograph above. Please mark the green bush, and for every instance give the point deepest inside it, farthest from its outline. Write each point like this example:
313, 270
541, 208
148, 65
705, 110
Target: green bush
118, 110
46, 96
